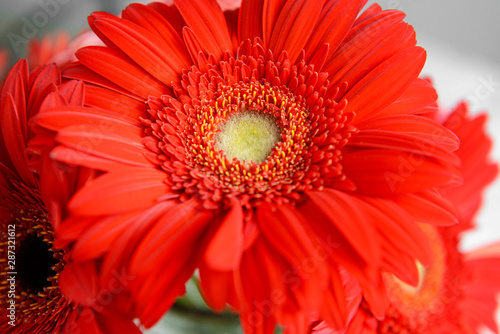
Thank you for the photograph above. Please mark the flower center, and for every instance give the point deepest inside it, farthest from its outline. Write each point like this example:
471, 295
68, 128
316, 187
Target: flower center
252, 127
248, 136
35, 261
40, 306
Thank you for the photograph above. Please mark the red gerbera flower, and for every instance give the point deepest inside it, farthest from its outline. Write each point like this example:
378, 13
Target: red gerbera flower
32, 268
271, 149
458, 292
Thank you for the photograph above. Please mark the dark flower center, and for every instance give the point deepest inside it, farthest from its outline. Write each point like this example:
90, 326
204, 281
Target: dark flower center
34, 264
40, 306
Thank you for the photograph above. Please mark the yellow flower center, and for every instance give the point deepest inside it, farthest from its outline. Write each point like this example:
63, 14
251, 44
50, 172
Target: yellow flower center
248, 136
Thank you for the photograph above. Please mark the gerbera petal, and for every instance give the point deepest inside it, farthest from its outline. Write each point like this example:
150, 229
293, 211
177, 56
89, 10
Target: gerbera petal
290, 283
264, 274
341, 208
115, 147
414, 125
130, 109
400, 265
480, 314
193, 44
142, 188
415, 134
383, 85
419, 98
250, 19
79, 158
148, 18
114, 323
13, 136
285, 230
294, 26
333, 24
360, 43
169, 285
182, 227
249, 270
490, 251
73, 91
97, 238
387, 172
146, 49
477, 169
429, 207
388, 43
70, 228
404, 233
53, 99
267, 325
207, 21
86, 321
44, 82
119, 254
171, 13
13, 121
217, 287
17, 86
288, 234
334, 311
77, 71
226, 246
174, 222
58, 118
475, 147
118, 68
78, 282
368, 13
337, 249
270, 13
376, 298
405, 142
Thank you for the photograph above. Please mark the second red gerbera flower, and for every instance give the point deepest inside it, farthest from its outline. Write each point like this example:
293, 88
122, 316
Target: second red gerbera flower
458, 292
37, 277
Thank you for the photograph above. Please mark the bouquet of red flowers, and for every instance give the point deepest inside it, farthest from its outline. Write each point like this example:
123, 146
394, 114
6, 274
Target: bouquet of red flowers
285, 156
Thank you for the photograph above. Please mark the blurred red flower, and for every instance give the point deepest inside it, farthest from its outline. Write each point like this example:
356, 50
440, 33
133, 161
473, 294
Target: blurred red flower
458, 292
35, 273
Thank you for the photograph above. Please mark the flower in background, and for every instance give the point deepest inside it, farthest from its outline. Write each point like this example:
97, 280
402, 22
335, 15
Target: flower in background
458, 292
41, 52
272, 149
4, 62
58, 48
229, 5
35, 274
